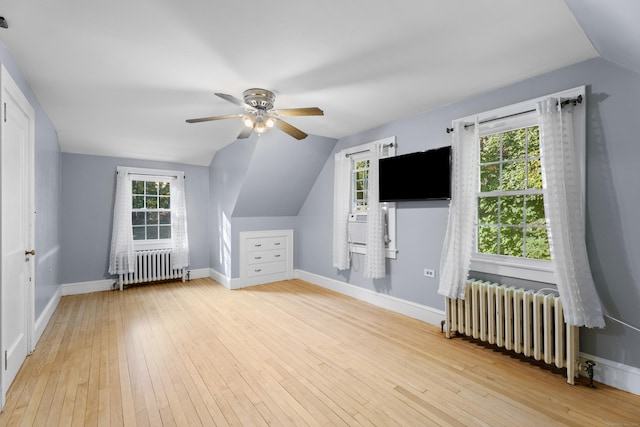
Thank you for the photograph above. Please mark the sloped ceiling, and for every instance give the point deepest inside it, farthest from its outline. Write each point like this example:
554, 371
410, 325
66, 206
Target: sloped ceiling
119, 77
613, 28
280, 175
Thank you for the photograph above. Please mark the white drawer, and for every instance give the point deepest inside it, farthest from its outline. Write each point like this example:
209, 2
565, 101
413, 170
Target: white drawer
267, 268
266, 243
259, 257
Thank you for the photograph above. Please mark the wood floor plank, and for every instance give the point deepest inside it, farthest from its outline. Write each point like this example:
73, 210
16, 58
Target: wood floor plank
286, 354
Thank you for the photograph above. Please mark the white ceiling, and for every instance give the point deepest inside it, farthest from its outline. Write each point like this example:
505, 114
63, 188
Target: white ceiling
119, 77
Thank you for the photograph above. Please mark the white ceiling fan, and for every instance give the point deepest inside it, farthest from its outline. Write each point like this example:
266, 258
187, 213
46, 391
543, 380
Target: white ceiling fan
260, 115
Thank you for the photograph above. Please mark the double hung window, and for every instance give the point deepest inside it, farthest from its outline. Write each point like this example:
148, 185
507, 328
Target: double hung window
511, 235
360, 159
511, 219
360, 185
152, 204
151, 210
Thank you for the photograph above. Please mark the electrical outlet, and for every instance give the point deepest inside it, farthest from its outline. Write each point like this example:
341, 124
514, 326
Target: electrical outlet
429, 273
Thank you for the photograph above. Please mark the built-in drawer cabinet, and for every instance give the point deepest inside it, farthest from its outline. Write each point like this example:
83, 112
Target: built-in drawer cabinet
265, 256
266, 269
260, 257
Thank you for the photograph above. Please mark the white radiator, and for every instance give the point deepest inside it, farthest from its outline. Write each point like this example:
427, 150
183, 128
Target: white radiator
526, 322
151, 266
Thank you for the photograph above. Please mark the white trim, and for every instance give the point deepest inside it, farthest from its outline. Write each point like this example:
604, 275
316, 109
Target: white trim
199, 273
87, 287
612, 373
421, 312
225, 281
45, 316
9, 88
523, 268
236, 284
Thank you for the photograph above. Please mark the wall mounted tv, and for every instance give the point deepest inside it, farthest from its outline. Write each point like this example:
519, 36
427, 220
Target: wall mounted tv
425, 175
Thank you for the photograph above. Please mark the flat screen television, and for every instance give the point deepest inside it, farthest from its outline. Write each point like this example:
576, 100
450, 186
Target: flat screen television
424, 175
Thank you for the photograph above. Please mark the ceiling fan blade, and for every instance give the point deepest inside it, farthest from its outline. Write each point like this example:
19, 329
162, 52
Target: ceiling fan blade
232, 99
309, 111
208, 119
290, 129
244, 133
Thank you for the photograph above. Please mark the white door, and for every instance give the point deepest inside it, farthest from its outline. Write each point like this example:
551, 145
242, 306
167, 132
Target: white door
16, 264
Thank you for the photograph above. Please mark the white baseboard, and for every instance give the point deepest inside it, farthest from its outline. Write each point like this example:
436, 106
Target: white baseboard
43, 320
411, 309
615, 374
199, 273
237, 284
87, 287
225, 281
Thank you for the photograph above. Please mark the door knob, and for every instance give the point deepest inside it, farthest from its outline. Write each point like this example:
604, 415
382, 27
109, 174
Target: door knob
31, 252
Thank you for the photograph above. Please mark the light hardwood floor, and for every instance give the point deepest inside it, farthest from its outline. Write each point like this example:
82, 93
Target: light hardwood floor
287, 353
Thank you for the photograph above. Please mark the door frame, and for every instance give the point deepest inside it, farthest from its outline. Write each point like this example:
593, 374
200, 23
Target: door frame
8, 87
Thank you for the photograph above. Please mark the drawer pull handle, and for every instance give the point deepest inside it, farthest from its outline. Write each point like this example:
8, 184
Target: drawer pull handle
257, 245
277, 256
257, 257
277, 243
258, 270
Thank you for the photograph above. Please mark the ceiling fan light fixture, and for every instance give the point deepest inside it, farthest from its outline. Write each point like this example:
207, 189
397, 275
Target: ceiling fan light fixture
259, 115
269, 122
259, 127
248, 121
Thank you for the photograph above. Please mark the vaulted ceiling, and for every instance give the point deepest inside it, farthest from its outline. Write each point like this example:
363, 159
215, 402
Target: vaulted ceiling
119, 78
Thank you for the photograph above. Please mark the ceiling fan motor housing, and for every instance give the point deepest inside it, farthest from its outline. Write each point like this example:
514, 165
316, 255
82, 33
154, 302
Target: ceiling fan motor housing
259, 98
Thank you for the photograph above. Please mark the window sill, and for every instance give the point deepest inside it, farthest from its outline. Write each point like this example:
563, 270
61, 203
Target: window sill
148, 246
528, 269
362, 250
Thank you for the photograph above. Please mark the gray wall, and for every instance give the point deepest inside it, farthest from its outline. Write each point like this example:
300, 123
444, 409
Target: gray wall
47, 194
226, 176
613, 232
273, 187
87, 202
259, 183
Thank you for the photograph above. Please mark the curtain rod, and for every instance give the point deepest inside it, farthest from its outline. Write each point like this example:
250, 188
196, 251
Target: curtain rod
368, 149
152, 174
572, 101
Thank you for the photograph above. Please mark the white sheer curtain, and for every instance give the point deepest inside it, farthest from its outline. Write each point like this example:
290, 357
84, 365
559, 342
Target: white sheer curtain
121, 258
459, 238
341, 209
564, 211
374, 259
179, 237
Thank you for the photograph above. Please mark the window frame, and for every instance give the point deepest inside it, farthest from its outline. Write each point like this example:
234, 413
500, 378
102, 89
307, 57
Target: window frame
153, 175
360, 153
523, 114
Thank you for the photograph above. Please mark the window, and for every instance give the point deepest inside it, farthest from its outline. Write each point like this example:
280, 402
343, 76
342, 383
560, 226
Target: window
360, 164
511, 219
153, 198
511, 231
151, 210
360, 185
